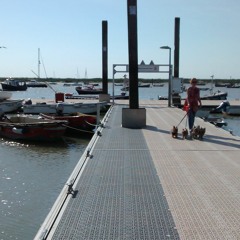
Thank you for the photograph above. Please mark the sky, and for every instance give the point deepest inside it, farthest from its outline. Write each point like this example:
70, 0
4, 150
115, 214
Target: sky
69, 36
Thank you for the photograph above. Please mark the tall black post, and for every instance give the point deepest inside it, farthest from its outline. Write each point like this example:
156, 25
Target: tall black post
176, 50
105, 57
133, 54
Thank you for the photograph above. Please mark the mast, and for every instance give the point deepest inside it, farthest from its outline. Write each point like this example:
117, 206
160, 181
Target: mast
39, 62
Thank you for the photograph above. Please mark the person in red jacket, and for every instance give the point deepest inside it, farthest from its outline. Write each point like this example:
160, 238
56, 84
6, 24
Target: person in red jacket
193, 101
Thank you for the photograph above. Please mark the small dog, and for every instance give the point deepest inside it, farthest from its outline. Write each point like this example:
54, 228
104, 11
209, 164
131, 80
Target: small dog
198, 132
201, 133
174, 132
195, 132
184, 133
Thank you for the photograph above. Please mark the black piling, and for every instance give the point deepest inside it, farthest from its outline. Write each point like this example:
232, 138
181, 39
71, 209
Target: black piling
105, 57
133, 54
176, 49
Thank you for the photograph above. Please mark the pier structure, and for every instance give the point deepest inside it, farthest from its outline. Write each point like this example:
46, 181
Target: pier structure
144, 184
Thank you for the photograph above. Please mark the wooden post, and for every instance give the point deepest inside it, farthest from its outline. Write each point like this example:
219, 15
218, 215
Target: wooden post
133, 54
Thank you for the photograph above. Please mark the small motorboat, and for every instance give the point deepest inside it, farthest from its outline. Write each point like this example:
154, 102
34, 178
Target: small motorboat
76, 121
10, 105
23, 127
218, 122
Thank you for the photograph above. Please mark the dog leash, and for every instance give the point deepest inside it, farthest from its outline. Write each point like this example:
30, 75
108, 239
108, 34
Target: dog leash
182, 118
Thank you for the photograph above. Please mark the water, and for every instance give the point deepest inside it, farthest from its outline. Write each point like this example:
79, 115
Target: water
32, 175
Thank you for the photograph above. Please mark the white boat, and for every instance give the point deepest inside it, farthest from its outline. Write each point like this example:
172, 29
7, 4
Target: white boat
35, 83
10, 105
64, 108
5, 95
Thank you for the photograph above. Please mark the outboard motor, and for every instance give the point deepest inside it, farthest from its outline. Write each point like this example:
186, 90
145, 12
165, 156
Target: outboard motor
59, 109
222, 107
28, 101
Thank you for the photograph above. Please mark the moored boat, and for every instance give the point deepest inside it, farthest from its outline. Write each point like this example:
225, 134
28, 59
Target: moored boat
215, 96
35, 83
90, 89
10, 105
32, 129
11, 84
66, 108
76, 121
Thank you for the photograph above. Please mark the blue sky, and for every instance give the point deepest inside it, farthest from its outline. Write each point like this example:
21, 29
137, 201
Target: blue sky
69, 34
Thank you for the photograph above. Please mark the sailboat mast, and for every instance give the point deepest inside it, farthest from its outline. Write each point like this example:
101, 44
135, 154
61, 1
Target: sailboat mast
39, 62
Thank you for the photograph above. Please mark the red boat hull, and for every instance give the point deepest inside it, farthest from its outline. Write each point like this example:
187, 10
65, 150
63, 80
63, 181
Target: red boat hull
75, 121
33, 133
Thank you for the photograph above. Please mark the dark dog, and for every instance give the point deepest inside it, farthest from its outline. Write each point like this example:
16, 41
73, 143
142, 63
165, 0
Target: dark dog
174, 132
184, 133
198, 132
201, 133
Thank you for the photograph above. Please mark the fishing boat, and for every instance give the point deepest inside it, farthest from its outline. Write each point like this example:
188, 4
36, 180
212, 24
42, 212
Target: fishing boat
22, 127
11, 84
76, 121
64, 107
89, 89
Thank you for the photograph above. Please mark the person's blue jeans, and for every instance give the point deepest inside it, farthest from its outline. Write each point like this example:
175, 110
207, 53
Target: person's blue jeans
191, 118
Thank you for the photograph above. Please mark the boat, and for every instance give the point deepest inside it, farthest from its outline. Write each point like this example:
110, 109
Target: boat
145, 85
11, 84
35, 83
218, 122
158, 84
89, 89
215, 96
5, 95
22, 127
222, 84
76, 121
10, 105
234, 86
65, 108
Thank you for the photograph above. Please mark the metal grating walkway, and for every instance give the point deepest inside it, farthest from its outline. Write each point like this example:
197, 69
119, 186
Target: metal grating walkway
143, 184
119, 193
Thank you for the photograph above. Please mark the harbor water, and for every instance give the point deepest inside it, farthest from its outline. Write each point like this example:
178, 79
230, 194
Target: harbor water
32, 174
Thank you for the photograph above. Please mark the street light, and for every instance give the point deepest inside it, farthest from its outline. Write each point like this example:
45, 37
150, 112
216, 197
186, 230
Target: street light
170, 77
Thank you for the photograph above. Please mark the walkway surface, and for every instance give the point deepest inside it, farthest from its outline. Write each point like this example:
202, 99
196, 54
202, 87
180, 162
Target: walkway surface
144, 184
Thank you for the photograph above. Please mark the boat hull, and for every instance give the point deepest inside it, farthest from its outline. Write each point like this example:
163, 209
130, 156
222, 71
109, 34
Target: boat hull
20, 128
77, 121
8, 106
86, 108
8, 87
216, 96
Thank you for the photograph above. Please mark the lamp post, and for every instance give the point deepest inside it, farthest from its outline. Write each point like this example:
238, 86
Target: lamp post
170, 77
